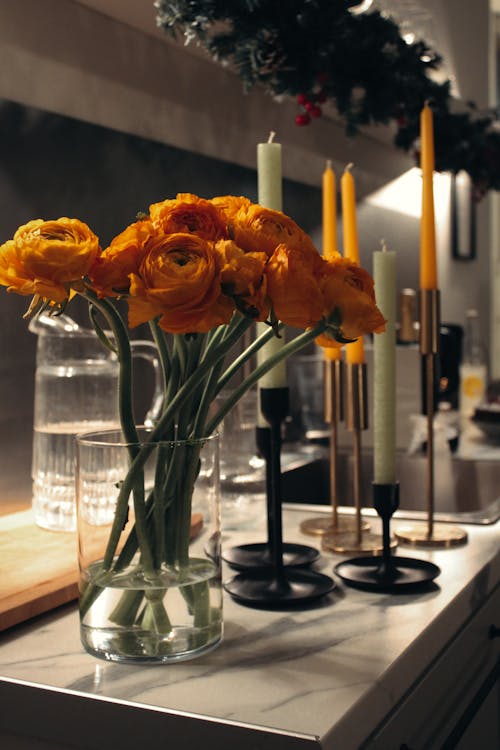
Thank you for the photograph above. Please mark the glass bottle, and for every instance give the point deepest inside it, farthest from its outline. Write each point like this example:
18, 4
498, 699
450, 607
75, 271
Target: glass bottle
473, 368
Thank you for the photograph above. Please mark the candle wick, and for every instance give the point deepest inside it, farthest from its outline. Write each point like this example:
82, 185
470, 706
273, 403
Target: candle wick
349, 166
384, 246
328, 163
271, 136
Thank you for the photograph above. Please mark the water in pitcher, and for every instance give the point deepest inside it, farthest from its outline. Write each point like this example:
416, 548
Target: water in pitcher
74, 397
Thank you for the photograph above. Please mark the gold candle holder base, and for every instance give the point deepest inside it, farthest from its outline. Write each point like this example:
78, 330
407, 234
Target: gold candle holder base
326, 525
350, 544
441, 536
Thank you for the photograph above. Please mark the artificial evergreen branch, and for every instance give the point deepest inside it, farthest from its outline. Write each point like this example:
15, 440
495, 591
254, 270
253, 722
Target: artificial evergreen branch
319, 51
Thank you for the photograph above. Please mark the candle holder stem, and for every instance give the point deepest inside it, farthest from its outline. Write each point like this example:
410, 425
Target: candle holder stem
430, 535
333, 451
354, 539
273, 553
357, 482
430, 364
334, 404
334, 413
276, 585
274, 504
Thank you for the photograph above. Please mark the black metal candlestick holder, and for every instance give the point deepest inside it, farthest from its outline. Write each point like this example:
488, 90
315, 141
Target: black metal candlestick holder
332, 523
386, 572
273, 584
258, 555
358, 539
430, 535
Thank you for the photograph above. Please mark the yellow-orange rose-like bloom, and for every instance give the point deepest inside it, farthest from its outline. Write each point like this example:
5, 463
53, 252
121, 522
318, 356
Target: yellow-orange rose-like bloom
255, 228
188, 213
110, 274
179, 280
242, 278
350, 288
229, 205
47, 258
293, 284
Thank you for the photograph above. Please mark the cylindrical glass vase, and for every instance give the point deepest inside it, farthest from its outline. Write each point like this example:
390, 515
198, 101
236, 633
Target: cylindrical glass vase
150, 580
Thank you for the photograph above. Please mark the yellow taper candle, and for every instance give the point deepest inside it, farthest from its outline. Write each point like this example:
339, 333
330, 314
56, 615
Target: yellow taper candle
428, 262
349, 225
329, 213
384, 370
354, 353
330, 249
269, 175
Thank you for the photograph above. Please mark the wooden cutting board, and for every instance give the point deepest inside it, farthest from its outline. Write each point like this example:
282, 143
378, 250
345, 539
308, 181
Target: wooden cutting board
39, 568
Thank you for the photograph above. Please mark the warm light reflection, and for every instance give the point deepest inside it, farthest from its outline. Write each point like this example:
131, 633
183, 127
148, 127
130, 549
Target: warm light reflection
404, 194
361, 7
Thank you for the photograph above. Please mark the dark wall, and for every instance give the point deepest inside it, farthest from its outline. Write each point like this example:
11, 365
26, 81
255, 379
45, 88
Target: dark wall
52, 166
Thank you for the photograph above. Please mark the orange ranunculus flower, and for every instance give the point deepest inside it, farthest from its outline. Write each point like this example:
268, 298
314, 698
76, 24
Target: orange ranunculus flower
294, 288
350, 288
46, 258
262, 229
242, 278
179, 280
189, 214
229, 205
110, 274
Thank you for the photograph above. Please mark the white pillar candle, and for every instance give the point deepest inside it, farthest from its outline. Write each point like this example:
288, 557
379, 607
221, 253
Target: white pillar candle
270, 196
384, 370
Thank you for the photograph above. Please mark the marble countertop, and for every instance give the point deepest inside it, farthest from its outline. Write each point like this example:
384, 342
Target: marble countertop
325, 676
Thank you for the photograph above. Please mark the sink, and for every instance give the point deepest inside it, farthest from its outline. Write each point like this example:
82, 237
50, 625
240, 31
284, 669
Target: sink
465, 490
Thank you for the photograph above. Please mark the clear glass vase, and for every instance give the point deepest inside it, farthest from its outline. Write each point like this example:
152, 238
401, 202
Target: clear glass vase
150, 578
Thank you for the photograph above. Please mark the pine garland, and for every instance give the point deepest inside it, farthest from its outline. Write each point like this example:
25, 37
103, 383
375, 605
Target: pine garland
318, 51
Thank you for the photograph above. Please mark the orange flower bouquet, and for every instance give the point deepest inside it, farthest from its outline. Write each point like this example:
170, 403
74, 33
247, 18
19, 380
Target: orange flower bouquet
199, 273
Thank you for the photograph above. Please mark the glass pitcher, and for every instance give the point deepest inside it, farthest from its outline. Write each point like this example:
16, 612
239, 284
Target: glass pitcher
76, 390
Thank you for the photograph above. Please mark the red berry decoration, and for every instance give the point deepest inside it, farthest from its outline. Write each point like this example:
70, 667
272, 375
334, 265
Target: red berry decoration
302, 119
302, 99
321, 97
309, 106
315, 111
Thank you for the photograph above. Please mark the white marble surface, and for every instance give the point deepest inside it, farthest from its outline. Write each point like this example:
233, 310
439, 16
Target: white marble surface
332, 671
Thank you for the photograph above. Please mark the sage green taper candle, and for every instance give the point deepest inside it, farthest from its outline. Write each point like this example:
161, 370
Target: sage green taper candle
269, 175
384, 370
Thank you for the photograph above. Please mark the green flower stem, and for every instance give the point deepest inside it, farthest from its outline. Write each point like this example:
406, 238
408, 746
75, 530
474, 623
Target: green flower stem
131, 545
120, 332
191, 471
88, 594
158, 511
181, 353
166, 420
201, 598
126, 610
192, 347
155, 615
257, 344
127, 424
209, 393
291, 348
163, 352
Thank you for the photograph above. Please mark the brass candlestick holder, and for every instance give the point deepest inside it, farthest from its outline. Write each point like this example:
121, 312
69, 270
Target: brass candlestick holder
430, 535
334, 413
349, 542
